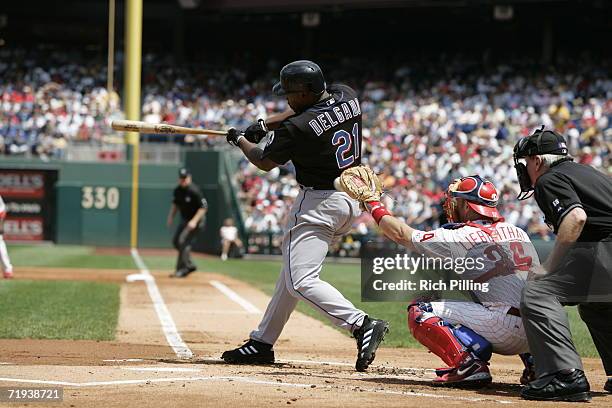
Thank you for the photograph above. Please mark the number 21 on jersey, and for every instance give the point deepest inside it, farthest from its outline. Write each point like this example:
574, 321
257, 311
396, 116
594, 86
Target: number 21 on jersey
348, 146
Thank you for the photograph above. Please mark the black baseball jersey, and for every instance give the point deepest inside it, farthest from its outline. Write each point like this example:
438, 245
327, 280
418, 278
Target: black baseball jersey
322, 141
189, 200
568, 185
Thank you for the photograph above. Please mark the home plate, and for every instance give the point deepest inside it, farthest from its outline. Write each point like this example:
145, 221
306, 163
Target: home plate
135, 277
166, 369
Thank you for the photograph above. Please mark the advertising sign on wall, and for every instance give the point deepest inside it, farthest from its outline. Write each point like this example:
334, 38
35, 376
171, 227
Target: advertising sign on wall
30, 204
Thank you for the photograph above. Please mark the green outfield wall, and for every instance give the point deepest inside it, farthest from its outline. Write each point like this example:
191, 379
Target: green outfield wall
88, 203
94, 201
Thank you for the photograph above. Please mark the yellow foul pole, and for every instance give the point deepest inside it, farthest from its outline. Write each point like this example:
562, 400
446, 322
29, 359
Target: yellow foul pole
133, 56
111, 47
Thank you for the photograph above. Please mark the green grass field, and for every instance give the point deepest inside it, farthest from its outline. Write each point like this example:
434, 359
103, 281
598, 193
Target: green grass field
261, 274
58, 310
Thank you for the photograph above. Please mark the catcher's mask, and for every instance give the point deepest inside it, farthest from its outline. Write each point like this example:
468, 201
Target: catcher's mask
540, 142
480, 194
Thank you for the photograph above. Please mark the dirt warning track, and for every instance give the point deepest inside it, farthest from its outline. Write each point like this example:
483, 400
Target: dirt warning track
212, 313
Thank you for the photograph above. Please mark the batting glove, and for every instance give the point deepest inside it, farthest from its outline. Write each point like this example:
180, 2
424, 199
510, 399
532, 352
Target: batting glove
257, 131
233, 136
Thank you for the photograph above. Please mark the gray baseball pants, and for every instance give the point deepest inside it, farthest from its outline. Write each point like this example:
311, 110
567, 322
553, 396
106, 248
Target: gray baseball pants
317, 218
183, 240
545, 319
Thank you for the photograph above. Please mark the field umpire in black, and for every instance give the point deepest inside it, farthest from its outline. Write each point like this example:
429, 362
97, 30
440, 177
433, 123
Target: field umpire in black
192, 205
576, 201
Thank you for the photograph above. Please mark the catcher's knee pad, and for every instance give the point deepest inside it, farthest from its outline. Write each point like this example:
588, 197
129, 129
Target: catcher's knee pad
453, 345
473, 341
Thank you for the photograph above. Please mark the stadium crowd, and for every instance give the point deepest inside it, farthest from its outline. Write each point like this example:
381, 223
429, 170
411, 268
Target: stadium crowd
423, 124
49, 100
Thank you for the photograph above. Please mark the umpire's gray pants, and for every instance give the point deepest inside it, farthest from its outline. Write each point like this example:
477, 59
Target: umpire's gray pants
317, 218
183, 239
545, 319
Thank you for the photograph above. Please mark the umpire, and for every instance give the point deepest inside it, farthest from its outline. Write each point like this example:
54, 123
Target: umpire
192, 205
577, 203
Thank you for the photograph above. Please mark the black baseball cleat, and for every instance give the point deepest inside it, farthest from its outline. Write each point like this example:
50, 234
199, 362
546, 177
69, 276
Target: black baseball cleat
182, 273
369, 336
560, 387
608, 385
252, 352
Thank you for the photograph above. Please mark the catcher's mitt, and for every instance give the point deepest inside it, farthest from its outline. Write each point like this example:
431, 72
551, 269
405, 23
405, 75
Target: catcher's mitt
361, 183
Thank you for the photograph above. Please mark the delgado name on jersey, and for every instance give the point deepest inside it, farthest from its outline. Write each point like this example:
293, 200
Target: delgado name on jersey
325, 121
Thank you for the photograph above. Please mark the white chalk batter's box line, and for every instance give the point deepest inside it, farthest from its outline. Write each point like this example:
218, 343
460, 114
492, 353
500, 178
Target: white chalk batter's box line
163, 314
304, 362
327, 363
123, 360
164, 369
281, 361
249, 380
374, 376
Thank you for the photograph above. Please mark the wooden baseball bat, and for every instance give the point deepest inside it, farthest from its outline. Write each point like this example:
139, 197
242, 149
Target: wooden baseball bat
161, 128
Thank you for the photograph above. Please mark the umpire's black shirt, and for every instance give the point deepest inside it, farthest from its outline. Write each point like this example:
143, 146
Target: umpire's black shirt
322, 141
568, 185
188, 200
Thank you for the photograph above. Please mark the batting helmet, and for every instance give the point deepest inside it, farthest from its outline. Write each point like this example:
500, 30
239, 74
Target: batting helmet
300, 76
481, 195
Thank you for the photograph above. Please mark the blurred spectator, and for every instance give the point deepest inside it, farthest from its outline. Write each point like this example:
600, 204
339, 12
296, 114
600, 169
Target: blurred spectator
229, 237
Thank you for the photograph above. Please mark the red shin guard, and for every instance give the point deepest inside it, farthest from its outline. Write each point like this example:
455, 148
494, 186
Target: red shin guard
429, 330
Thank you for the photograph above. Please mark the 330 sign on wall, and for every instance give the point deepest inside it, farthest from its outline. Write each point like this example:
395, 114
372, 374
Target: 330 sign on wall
100, 197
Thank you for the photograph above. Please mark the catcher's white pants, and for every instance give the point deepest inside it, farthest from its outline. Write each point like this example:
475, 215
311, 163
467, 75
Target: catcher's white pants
505, 332
317, 218
4, 257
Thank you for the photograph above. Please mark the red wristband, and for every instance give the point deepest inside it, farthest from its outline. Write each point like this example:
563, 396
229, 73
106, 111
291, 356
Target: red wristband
377, 209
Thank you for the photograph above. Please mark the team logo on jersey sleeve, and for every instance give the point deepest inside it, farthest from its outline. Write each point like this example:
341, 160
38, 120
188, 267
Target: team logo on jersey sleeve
557, 205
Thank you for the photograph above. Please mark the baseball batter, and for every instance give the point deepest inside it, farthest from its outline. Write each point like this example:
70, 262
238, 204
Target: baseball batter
321, 135
464, 334
7, 268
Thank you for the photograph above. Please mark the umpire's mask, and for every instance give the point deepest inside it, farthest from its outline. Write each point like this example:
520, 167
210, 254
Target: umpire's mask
540, 142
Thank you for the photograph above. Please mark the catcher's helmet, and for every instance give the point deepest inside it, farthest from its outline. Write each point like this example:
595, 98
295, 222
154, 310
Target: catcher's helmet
481, 195
300, 76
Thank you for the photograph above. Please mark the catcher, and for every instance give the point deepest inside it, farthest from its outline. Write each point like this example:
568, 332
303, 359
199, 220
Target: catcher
462, 333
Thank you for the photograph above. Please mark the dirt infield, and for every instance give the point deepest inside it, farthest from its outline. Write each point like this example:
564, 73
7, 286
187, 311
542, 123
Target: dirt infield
315, 367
